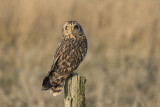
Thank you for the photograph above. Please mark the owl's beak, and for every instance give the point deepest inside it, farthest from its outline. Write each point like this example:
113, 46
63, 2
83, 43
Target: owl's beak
71, 30
72, 35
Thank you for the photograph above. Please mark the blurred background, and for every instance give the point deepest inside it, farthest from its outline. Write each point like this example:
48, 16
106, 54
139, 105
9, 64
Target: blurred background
122, 65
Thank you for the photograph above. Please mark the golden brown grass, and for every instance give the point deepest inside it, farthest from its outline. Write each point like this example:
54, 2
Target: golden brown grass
122, 66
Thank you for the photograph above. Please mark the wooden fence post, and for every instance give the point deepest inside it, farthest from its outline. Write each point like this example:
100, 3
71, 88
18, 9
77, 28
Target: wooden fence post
74, 91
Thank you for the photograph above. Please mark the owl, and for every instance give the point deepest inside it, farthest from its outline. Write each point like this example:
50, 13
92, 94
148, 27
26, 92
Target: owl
69, 54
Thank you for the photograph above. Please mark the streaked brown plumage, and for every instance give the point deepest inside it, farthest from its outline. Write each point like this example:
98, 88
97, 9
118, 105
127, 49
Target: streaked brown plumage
68, 56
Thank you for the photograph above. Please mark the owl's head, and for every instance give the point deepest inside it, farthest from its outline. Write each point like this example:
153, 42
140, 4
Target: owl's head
72, 28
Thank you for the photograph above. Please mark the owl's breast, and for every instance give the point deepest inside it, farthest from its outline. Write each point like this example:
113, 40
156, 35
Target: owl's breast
78, 51
72, 54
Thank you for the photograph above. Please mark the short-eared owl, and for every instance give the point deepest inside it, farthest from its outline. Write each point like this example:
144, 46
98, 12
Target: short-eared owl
68, 56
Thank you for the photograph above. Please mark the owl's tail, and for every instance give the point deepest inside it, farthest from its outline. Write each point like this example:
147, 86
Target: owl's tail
55, 86
57, 89
46, 84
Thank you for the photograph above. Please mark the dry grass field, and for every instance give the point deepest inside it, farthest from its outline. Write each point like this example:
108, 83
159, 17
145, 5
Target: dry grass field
122, 65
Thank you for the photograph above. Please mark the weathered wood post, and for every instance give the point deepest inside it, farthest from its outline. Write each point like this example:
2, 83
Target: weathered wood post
74, 91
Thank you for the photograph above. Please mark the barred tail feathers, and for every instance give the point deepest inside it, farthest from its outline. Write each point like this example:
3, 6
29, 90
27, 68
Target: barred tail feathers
55, 86
57, 89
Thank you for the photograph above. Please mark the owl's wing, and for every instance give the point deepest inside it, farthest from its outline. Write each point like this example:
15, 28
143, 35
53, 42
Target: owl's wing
66, 59
57, 54
46, 82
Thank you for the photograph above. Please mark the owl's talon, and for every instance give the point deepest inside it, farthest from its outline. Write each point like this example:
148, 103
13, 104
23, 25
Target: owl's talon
74, 73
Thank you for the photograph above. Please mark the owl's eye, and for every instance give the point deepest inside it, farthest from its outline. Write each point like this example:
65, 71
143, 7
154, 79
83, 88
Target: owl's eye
67, 27
76, 27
